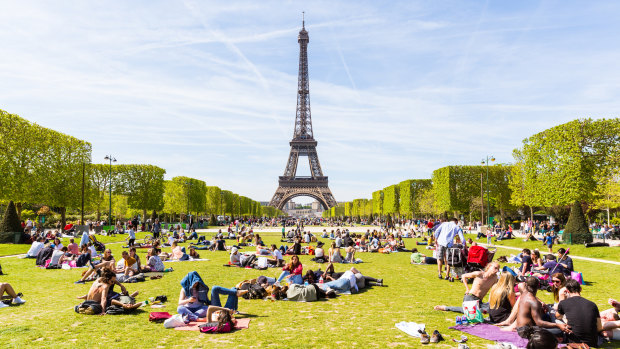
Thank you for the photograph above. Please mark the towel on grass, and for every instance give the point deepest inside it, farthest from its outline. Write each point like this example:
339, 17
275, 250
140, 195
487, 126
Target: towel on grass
193, 326
493, 333
410, 328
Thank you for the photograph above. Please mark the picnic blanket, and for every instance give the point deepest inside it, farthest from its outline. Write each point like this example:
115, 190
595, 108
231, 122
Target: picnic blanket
492, 333
193, 326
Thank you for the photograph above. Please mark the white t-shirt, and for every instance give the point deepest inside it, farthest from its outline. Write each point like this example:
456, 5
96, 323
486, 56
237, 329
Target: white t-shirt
35, 248
56, 257
277, 254
319, 252
93, 251
352, 280
59, 246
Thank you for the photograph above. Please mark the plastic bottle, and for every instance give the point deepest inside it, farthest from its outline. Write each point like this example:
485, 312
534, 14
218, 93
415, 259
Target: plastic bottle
306, 283
168, 270
321, 280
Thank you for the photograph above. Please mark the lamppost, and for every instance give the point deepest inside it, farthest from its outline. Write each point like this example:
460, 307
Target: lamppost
221, 207
112, 159
492, 158
189, 184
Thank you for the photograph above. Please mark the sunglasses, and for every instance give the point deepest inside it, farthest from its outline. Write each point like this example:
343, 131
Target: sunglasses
556, 281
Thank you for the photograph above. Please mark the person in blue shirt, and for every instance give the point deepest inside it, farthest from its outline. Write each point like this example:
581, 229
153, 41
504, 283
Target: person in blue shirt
444, 235
549, 240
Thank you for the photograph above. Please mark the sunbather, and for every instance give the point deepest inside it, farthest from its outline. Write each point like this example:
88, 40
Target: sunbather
107, 262
194, 301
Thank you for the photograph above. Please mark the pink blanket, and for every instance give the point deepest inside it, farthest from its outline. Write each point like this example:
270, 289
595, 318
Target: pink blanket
193, 326
492, 333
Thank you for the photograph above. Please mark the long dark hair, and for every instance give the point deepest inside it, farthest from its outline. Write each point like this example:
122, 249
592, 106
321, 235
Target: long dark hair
223, 319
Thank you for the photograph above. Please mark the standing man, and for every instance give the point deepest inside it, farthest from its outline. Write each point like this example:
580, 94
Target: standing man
156, 228
444, 235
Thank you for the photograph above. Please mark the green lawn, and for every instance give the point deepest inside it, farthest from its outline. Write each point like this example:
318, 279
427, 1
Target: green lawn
362, 320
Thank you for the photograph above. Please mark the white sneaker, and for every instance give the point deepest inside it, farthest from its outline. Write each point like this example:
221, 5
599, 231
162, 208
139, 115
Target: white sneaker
2, 305
18, 300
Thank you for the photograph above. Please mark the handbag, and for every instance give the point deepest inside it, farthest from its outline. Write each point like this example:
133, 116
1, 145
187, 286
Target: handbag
472, 311
577, 276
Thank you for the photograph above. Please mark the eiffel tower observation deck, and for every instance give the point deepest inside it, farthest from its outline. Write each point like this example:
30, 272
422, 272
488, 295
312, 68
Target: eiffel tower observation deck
303, 144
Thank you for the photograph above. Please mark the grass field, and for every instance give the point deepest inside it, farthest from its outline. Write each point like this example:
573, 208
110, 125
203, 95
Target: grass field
361, 320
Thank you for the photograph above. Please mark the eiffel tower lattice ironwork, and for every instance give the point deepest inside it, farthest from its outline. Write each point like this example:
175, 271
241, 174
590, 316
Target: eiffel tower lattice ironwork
303, 144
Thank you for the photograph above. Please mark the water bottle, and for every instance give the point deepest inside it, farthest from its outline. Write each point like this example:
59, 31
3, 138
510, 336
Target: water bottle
306, 283
168, 270
321, 280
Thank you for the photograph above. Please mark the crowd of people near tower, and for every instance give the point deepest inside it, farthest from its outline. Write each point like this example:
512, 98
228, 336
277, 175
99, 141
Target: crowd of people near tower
512, 292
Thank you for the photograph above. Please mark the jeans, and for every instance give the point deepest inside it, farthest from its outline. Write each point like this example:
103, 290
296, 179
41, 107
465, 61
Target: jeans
193, 313
294, 279
468, 297
340, 285
231, 302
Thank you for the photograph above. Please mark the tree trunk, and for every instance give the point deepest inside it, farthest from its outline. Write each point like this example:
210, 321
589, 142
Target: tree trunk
18, 207
63, 220
531, 213
98, 214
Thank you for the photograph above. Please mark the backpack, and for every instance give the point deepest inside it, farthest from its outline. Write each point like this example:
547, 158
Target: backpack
159, 316
455, 257
89, 308
256, 291
114, 310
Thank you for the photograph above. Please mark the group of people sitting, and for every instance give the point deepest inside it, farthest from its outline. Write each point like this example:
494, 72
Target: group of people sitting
572, 318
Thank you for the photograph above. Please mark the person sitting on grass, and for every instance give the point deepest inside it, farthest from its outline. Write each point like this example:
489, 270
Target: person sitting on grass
295, 249
276, 257
530, 311
565, 261
537, 262
154, 263
350, 257
582, 315
292, 271
526, 262
194, 301
102, 291
502, 298
129, 267
192, 253
177, 253
550, 266
8, 289
107, 262
36, 247
73, 247
58, 257
334, 254
483, 281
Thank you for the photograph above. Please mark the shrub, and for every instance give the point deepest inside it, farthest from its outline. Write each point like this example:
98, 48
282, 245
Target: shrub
577, 227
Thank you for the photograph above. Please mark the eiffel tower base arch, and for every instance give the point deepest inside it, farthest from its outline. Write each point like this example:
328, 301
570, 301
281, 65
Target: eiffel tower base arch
322, 194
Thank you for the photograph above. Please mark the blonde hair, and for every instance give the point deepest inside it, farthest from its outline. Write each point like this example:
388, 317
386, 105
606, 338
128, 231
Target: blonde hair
501, 290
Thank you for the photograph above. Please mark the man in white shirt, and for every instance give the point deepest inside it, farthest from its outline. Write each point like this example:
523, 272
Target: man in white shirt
36, 247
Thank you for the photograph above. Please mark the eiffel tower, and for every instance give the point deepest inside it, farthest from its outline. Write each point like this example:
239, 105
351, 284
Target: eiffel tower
303, 144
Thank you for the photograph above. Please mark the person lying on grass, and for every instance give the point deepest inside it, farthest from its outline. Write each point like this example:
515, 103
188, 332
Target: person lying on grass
419, 258
610, 320
331, 275
102, 291
8, 289
483, 281
107, 262
194, 301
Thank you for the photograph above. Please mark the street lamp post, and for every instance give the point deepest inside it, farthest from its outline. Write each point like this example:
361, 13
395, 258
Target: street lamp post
189, 184
492, 158
112, 159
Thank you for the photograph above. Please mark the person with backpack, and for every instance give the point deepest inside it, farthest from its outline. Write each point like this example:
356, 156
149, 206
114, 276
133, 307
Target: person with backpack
445, 234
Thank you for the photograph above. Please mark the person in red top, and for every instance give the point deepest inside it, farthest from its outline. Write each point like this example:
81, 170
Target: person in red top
292, 271
430, 225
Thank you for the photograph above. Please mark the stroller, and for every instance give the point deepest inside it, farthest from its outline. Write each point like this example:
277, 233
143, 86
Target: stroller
457, 260
478, 257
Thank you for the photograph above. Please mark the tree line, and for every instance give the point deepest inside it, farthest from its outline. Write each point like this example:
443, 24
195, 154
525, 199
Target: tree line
576, 163
41, 166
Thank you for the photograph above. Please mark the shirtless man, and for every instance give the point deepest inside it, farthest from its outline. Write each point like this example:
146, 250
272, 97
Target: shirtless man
99, 292
107, 262
483, 281
530, 310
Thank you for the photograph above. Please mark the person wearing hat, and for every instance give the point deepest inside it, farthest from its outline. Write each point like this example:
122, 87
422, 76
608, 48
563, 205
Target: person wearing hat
319, 253
235, 256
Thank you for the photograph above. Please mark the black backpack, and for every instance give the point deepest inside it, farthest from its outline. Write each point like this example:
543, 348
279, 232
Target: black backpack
95, 307
114, 310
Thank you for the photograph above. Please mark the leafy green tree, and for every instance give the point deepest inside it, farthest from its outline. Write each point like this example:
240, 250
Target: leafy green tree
214, 200
456, 186
568, 162
576, 230
410, 194
348, 208
227, 202
99, 185
391, 200
143, 185
377, 202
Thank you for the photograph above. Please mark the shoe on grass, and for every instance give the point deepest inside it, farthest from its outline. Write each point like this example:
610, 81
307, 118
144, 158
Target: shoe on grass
2, 305
424, 339
436, 337
80, 282
18, 300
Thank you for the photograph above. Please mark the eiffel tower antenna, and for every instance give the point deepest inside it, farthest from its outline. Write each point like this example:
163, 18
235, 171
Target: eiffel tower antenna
303, 20
303, 144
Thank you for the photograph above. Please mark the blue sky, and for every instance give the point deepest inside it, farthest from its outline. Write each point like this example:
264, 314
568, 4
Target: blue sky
398, 89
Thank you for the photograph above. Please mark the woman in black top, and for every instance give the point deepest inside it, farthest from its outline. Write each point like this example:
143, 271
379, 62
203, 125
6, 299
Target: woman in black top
502, 298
